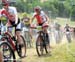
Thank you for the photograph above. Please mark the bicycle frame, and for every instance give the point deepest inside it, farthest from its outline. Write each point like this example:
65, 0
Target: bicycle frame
9, 38
7, 35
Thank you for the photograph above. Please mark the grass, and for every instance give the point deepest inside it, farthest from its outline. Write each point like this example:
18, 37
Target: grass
64, 21
58, 54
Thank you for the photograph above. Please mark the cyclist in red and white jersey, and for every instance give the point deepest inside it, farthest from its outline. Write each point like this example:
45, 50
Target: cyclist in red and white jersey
39, 15
9, 12
12, 18
41, 18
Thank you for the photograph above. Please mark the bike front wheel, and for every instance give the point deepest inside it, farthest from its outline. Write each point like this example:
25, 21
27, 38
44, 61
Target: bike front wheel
7, 52
39, 46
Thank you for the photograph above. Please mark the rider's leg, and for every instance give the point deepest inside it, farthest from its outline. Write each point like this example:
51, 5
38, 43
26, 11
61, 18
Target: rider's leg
68, 36
18, 33
47, 36
10, 29
30, 36
1, 57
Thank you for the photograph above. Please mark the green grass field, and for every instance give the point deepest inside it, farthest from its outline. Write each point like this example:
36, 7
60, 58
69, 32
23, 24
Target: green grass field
64, 21
58, 54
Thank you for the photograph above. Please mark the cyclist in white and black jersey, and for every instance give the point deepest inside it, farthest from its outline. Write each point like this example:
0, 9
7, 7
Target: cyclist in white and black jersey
68, 32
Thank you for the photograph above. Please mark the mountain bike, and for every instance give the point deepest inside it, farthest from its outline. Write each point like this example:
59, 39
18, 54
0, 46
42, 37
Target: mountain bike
21, 49
8, 54
41, 42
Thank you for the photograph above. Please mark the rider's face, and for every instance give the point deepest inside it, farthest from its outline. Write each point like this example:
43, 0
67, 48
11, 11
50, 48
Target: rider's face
5, 7
38, 12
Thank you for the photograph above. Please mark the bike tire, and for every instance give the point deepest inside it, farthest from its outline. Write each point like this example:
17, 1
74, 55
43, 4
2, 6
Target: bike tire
11, 51
39, 47
19, 50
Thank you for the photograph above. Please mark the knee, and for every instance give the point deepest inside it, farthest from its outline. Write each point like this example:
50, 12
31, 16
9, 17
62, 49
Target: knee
18, 33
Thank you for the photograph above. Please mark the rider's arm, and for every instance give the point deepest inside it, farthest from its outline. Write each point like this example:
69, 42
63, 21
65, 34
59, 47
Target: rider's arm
3, 13
64, 29
33, 17
47, 18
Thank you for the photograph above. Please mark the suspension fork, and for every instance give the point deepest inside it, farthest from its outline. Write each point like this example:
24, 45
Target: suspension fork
9, 39
41, 35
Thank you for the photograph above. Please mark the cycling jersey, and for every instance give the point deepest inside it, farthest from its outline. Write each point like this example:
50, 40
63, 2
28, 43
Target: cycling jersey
40, 18
67, 28
57, 26
11, 15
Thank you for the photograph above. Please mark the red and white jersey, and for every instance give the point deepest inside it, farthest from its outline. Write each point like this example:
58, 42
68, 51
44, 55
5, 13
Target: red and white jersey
12, 13
40, 18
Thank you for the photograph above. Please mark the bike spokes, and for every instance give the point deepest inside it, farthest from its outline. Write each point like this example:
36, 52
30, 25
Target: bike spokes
7, 53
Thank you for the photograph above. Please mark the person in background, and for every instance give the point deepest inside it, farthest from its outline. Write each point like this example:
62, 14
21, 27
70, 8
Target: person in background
68, 33
57, 32
27, 29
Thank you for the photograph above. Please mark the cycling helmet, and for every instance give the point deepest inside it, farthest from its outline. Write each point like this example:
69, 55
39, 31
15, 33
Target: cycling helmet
24, 14
37, 8
25, 18
5, 2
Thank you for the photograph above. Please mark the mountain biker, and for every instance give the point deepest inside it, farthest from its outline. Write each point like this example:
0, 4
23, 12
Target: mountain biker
42, 20
68, 32
57, 32
26, 20
12, 18
67, 27
26, 29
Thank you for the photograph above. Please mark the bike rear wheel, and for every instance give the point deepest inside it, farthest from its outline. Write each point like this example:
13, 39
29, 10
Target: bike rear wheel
7, 52
21, 49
